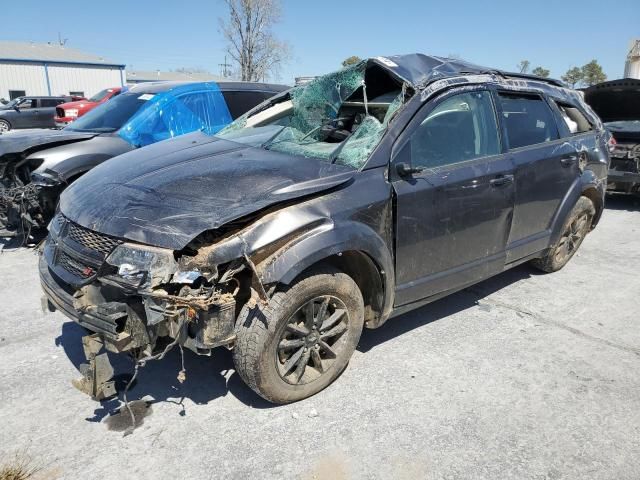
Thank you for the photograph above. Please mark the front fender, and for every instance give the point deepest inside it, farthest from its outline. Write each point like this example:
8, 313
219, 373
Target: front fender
327, 240
73, 166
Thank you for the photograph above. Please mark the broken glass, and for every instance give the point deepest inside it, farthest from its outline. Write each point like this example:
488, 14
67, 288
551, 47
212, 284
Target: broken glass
329, 118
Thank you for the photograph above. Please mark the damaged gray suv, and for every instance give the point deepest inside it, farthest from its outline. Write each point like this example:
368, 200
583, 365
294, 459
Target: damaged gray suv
332, 206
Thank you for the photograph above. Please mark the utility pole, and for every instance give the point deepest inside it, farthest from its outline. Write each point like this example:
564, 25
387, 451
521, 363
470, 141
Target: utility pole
61, 42
223, 68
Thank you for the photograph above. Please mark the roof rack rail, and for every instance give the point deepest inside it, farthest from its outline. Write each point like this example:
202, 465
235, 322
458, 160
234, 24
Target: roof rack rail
528, 76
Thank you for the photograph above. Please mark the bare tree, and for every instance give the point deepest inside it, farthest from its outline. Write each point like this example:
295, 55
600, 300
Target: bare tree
251, 42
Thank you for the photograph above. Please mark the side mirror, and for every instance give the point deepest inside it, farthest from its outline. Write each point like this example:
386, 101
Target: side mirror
406, 170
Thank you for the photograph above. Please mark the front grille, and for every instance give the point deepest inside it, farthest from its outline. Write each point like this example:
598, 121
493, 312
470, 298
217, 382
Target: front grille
97, 242
73, 266
60, 112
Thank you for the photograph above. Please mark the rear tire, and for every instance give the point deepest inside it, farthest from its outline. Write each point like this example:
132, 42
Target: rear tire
4, 126
302, 340
574, 230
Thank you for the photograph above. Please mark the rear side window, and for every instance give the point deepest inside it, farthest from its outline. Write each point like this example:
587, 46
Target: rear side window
575, 120
461, 128
240, 102
50, 102
528, 119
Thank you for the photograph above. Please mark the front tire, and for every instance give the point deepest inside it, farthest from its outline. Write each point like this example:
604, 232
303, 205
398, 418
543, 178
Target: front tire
574, 230
302, 340
4, 126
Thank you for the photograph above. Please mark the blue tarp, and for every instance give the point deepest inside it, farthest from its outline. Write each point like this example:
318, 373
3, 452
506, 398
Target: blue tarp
177, 111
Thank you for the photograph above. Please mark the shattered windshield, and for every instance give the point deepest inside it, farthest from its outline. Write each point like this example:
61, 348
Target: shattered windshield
340, 117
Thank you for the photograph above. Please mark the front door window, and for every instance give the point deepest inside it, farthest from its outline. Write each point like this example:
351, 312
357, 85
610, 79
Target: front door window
462, 127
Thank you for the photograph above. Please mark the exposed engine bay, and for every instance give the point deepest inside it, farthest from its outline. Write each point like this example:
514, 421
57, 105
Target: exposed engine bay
24, 204
617, 103
625, 163
29, 190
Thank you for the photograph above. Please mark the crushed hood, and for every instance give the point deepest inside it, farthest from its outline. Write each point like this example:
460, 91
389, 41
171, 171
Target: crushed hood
168, 193
17, 142
614, 101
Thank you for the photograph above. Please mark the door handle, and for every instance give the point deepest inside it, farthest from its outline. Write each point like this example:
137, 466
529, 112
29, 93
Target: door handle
501, 180
568, 161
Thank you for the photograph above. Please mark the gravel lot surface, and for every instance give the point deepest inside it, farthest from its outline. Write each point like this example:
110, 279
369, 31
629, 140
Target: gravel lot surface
524, 376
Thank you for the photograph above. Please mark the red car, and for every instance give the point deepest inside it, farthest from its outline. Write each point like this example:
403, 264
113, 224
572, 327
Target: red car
68, 112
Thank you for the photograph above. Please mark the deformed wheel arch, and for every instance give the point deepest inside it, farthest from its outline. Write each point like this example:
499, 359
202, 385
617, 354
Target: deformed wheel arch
367, 275
593, 194
354, 249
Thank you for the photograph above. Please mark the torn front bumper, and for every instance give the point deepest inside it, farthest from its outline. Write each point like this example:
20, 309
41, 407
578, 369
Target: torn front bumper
132, 321
59, 296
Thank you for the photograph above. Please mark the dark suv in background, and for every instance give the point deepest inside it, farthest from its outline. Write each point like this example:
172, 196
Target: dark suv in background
617, 103
30, 112
332, 206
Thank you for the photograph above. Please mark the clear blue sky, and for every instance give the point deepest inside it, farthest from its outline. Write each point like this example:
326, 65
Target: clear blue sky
163, 35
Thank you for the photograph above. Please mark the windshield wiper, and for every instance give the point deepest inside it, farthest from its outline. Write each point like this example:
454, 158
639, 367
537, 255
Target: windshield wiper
334, 155
272, 138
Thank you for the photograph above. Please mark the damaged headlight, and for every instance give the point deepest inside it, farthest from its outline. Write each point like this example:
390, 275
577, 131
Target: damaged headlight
138, 263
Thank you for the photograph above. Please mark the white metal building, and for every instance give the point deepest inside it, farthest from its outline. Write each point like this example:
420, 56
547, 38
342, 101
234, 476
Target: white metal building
632, 65
50, 69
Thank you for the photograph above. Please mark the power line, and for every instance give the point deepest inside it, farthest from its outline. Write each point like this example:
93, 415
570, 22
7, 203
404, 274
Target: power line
223, 68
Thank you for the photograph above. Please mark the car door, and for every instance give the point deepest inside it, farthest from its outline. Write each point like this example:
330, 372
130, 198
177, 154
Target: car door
545, 167
23, 117
452, 218
47, 111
